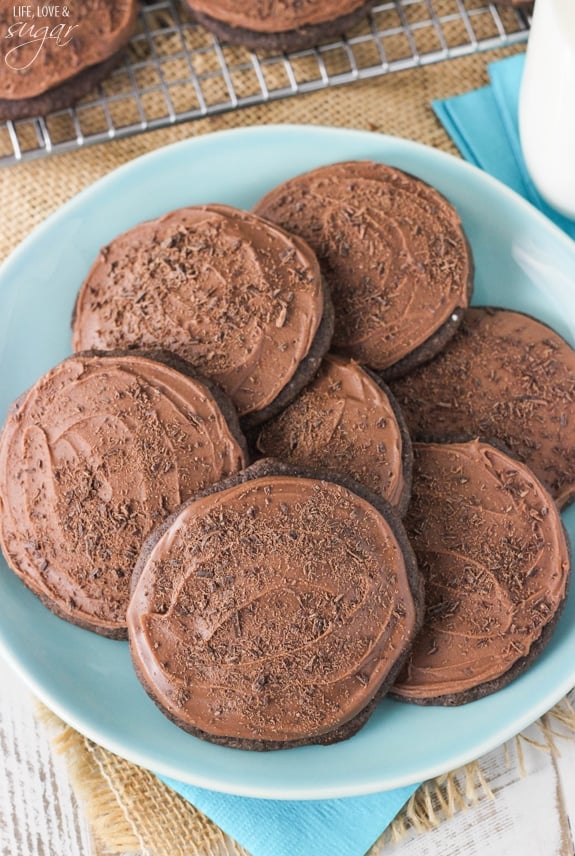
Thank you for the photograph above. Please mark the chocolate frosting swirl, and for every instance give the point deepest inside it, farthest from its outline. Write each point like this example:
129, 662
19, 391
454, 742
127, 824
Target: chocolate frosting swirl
37, 54
505, 376
271, 610
344, 422
233, 295
492, 549
275, 16
97, 453
391, 248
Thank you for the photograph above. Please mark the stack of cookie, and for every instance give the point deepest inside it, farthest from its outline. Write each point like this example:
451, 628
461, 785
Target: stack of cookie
222, 474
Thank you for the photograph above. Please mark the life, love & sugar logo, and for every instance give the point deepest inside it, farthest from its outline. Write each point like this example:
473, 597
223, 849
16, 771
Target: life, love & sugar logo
30, 33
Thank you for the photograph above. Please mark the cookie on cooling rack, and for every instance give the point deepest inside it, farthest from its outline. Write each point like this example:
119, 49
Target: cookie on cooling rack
495, 558
393, 252
95, 455
50, 62
279, 25
345, 421
506, 376
274, 609
234, 295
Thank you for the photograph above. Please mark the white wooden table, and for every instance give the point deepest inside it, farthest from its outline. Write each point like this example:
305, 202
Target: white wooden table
532, 814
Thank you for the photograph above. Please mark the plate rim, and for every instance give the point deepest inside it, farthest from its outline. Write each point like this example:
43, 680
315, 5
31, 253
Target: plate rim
272, 129
198, 777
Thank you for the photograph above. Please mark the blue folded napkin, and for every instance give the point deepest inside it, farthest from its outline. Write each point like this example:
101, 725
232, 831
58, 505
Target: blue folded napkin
485, 128
337, 827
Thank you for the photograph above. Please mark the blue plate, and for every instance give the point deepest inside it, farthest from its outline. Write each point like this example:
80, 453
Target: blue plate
523, 262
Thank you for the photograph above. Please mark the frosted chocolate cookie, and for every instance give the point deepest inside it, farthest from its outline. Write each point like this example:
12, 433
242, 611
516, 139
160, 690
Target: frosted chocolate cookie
495, 558
345, 421
48, 63
232, 294
98, 452
505, 376
274, 609
283, 25
393, 252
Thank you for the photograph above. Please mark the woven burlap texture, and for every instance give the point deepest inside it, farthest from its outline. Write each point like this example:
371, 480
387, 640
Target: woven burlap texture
131, 811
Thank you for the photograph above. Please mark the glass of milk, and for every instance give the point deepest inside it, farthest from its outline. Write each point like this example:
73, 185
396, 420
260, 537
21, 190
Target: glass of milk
547, 104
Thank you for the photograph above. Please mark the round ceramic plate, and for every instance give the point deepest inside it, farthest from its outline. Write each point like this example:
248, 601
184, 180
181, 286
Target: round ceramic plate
523, 262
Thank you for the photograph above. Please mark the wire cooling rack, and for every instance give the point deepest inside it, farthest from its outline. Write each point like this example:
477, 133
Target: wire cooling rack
174, 71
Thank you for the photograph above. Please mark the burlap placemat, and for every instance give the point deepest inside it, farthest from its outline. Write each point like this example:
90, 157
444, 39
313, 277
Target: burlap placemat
130, 810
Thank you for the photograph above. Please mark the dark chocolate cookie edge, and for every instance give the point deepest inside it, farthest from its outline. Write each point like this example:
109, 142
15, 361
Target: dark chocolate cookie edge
406, 446
306, 370
490, 687
562, 502
439, 339
271, 467
289, 40
440, 336
228, 411
62, 96
520, 666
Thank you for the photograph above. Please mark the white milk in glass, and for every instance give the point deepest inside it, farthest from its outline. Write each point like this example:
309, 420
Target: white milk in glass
547, 103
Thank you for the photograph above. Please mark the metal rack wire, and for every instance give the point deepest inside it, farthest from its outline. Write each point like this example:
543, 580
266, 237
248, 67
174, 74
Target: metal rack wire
174, 71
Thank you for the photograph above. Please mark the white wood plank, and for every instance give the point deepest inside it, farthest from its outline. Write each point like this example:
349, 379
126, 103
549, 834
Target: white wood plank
565, 769
533, 810
39, 814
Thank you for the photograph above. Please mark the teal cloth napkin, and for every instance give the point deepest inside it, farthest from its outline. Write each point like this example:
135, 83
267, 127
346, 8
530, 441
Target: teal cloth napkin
484, 126
338, 827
